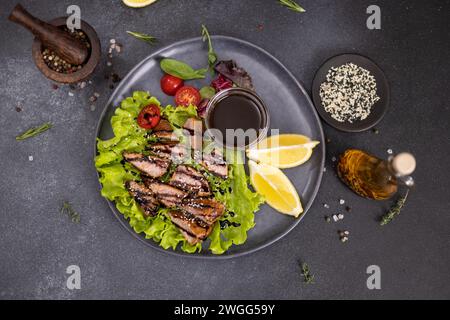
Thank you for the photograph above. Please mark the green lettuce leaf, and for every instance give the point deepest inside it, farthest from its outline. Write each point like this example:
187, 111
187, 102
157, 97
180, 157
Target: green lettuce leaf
178, 115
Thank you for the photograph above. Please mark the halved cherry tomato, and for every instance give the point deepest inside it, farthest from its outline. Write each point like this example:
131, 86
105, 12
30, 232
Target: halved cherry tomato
170, 84
149, 117
187, 95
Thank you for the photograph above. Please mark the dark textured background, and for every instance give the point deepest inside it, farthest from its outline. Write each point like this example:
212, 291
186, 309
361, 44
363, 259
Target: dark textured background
37, 243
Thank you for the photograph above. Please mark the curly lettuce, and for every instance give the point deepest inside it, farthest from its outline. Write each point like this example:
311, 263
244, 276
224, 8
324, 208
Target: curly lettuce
240, 201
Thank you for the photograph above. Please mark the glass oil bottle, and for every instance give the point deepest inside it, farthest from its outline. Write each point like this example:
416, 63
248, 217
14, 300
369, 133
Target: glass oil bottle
374, 178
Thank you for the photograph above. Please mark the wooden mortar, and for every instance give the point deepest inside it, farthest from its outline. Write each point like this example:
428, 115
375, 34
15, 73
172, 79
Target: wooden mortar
50, 35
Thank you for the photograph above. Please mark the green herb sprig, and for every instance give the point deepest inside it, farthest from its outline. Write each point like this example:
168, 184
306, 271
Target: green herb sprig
292, 5
212, 56
34, 131
68, 210
143, 37
308, 277
394, 210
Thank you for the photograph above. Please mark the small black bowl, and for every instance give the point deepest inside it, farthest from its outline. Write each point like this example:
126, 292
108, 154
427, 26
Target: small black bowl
378, 109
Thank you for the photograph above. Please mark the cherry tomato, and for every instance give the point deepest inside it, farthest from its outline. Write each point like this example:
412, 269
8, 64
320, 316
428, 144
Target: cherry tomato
170, 84
187, 95
149, 117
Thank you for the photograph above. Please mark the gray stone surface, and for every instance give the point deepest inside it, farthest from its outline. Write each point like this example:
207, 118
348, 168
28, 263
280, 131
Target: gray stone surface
37, 243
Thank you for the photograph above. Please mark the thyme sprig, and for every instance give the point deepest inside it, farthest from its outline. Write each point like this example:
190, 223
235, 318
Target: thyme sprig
212, 56
34, 131
292, 5
308, 277
68, 210
394, 210
143, 37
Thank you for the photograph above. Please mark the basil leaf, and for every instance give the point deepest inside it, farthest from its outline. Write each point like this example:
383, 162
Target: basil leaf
207, 92
181, 70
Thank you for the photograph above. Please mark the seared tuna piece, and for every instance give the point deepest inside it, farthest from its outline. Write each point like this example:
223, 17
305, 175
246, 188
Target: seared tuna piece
143, 197
174, 152
205, 209
190, 239
166, 136
166, 194
192, 229
150, 165
190, 180
163, 125
215, 165
195, 129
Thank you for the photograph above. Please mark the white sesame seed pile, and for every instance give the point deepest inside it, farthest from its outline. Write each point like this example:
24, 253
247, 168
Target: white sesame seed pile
349, 93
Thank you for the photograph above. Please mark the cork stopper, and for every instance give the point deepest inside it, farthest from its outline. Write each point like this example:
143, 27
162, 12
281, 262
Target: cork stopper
404, 164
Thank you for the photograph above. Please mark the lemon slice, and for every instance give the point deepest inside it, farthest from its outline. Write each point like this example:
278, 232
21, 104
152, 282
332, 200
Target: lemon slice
276, 188
138, 3
283, 151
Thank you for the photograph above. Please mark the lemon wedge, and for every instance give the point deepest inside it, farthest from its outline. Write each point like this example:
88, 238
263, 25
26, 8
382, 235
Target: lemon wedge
138, 3
283, 151
276, 188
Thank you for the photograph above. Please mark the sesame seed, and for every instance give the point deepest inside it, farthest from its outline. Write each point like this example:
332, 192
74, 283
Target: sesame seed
349, 93
30, 158
341, 201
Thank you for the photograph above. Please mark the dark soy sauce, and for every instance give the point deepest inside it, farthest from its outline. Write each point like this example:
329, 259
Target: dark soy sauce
236, 112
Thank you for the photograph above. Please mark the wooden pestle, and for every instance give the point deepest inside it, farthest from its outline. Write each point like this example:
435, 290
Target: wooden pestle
61, 42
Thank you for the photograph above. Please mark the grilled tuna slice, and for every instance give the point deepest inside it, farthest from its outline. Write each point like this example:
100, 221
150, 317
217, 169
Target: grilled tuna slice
190, 239
150, 165
166, 136
143, 197
163, 125
195, 128
193, 125
192, 229
175, 152
204, 209
215, 164
190, 180
165, 194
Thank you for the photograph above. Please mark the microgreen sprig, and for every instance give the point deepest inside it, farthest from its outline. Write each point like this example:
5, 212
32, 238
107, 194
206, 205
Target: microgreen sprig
34, 131
394, 210
292, 5
68, 210
306, 273
143, 37
212, 56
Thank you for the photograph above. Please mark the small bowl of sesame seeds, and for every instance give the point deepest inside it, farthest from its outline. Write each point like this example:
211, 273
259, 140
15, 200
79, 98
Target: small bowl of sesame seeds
59, 70
350, 93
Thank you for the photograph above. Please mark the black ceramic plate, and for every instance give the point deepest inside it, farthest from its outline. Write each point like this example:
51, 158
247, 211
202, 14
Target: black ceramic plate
290, 108
378, 109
